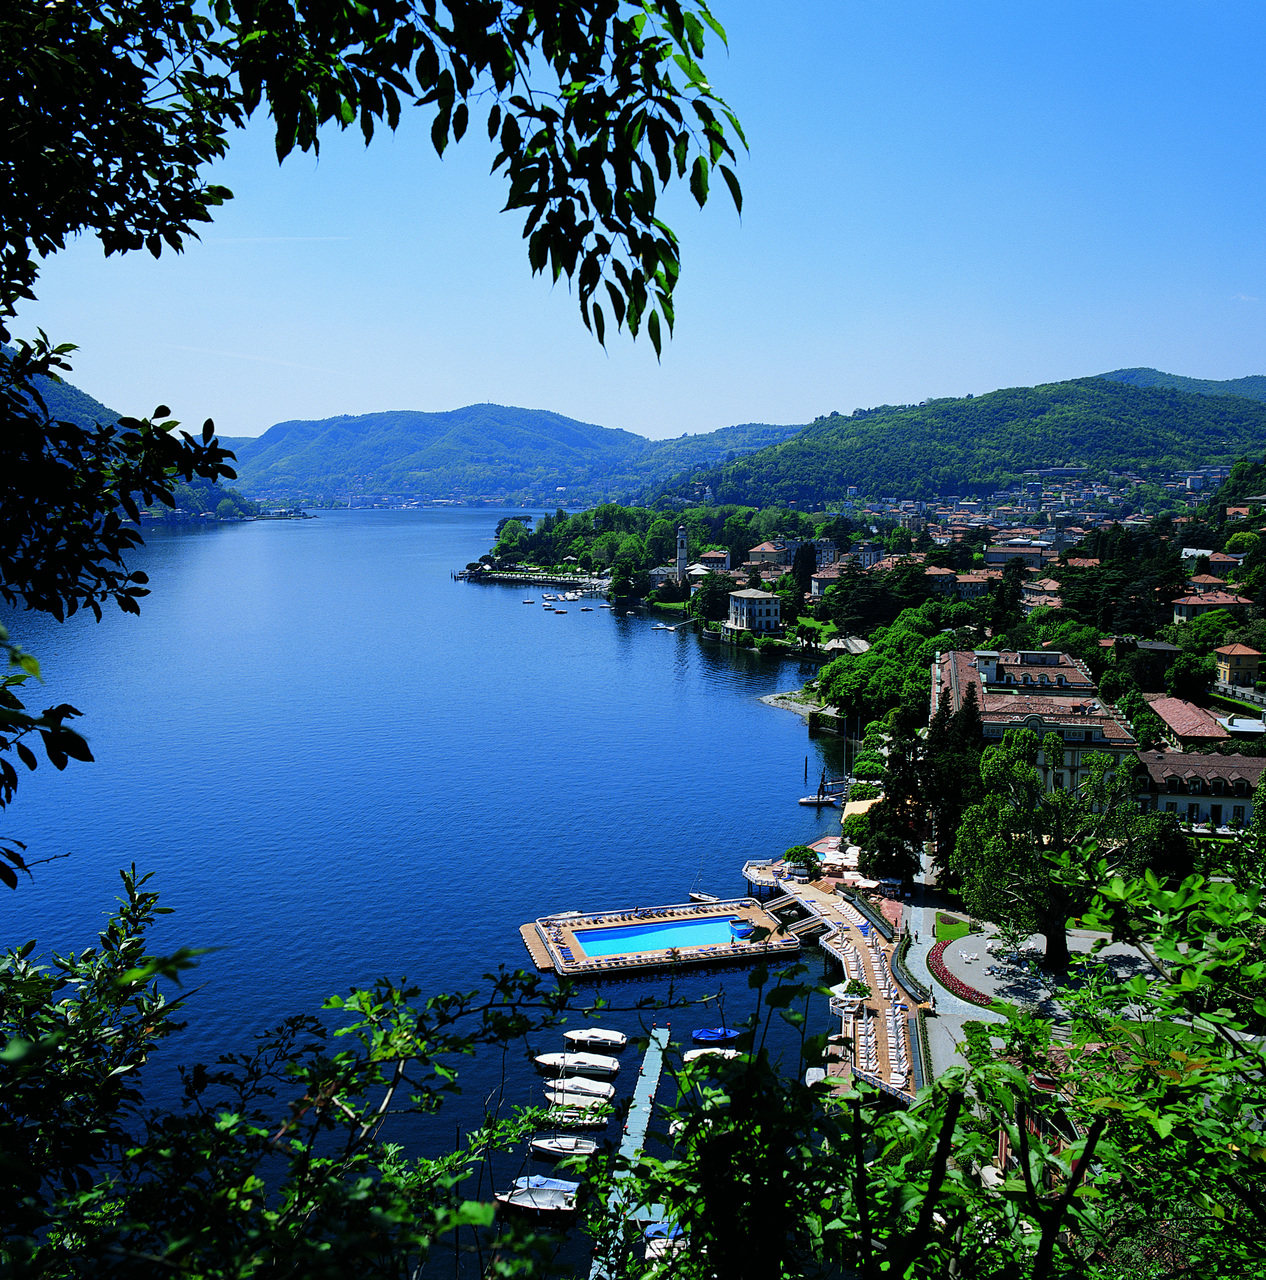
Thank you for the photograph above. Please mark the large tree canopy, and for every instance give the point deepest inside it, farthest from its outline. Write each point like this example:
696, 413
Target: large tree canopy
114, 108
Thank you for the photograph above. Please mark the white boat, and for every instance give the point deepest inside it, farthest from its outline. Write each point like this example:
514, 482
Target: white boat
578, 1064
698, 896
572, 595
574, 1101
584, 608
564, 1117
560, 610
693, 1055
606, 606
598, 1037
581, 1085
541, 1199
545, 595
529, 602
560, 1147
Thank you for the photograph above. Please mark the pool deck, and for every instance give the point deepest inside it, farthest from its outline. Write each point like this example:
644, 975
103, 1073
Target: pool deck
555, 938
881, 1033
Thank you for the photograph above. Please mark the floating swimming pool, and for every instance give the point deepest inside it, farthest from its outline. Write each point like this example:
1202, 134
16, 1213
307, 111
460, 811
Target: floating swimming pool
656, 935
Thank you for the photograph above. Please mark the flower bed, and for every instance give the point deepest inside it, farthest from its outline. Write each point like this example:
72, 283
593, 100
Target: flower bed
955, 986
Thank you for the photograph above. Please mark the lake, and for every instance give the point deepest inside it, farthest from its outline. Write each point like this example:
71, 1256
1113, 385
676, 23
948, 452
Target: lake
340, 764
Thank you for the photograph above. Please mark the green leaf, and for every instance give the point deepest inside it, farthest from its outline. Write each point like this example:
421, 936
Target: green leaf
736, 193
699, 181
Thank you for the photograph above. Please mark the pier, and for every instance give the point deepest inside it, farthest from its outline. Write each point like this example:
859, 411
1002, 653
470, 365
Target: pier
583, 583
606, 1266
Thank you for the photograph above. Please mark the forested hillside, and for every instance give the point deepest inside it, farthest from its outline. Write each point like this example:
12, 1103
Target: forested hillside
976, 445
1251, 388
481, 450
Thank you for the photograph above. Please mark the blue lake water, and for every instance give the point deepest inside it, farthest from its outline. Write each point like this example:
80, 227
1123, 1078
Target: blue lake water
340, 764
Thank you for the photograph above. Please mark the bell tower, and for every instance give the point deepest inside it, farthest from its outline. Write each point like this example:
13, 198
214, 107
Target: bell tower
681, 554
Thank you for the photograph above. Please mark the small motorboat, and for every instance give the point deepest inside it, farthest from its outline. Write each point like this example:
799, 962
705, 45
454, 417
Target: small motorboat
541, 1199
581, 1085
560, 1147
578, 1064
659, 626
693, 1055
584, 608
546, 1183
565, 1117
714, 1035
598, 1037
560, 610
606, 606
819, 801
575, 1101
529, 602
545, 595
663, 1239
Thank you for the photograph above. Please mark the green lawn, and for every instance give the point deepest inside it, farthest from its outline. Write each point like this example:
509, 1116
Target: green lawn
951, 928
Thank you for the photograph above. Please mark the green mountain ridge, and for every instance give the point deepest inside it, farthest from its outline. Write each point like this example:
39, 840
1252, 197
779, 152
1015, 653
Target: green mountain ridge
479, 450
976, 445
1251, 388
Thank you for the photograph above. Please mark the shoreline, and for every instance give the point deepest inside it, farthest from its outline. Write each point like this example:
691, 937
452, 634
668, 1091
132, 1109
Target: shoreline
792, 700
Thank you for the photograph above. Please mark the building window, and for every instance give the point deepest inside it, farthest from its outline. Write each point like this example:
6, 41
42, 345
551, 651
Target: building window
1193, 813
1059, 782
1237, 815
1215, 815
1171, 806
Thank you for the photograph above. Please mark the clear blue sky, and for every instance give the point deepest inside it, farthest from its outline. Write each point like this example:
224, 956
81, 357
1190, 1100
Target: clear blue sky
940, 198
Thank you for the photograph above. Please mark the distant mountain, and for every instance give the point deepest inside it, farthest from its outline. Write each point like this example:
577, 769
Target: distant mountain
482, 450
977, 445
1251, 388
67, 403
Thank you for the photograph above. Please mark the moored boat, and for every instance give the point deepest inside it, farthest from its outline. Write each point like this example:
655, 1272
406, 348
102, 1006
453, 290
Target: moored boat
599, 1037
582, 1085
697, 896
578, 1064
564, 1117
561, 1146
693, 1055
541, 1199
575, 1101
714, 1035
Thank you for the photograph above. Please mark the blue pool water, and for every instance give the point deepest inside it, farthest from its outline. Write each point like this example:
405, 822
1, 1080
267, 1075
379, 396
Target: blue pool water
656, 936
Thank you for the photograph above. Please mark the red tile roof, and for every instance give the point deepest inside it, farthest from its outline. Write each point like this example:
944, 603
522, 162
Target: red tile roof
1232, 649
1213, 599
1184, 718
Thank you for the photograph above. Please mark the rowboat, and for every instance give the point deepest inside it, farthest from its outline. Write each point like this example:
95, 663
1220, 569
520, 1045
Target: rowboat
559, 1148
598, 1037
578, 1064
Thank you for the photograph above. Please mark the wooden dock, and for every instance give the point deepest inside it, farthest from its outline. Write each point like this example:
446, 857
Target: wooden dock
606, 1266
536, 947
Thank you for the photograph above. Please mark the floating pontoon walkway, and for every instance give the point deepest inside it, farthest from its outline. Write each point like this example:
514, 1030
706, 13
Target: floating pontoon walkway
631, 1150
536, 947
